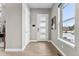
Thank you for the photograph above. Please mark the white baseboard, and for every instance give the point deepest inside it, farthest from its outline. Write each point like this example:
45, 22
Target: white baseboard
58, 49
38, 40
25, 46
12, 50
52, 43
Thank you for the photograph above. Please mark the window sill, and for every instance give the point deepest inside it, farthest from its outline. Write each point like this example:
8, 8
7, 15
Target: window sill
66, 42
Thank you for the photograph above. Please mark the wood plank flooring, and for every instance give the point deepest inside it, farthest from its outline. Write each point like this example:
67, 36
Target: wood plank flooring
35, 49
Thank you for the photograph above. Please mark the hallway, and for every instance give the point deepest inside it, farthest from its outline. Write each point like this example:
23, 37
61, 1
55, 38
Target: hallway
31, 28
40, 48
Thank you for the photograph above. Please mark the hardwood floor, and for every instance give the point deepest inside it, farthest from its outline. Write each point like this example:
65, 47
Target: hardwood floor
35, 49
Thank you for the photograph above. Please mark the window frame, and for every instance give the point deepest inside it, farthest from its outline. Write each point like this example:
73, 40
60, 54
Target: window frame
60, 24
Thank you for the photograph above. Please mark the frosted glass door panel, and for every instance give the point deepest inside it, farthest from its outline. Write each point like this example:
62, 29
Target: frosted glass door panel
42, 18
42, 24
42, 30
42, 36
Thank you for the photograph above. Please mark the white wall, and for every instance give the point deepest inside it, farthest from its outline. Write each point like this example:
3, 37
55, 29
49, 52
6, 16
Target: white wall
34, 12
25, 25
12, 13
67, 50
17, 18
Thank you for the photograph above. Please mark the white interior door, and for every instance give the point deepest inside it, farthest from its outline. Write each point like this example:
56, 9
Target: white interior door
42, 27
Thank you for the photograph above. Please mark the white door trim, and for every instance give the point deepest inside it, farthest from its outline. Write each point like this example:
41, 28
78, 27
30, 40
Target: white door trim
12, 49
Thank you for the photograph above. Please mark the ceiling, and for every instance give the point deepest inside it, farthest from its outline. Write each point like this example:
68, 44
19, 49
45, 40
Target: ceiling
40, 5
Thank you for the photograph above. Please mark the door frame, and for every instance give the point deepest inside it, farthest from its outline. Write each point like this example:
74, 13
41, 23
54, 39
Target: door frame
46, 27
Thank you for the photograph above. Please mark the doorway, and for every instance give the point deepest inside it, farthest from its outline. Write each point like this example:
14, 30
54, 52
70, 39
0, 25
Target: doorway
42, 27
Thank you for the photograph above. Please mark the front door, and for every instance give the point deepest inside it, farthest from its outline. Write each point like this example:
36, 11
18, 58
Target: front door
42, 27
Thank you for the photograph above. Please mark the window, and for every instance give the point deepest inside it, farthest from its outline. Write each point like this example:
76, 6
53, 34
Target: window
66, 28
